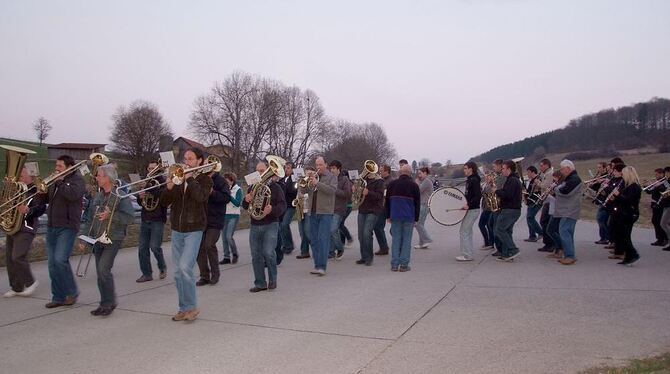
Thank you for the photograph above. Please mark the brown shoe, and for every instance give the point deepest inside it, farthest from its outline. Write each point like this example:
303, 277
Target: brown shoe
53, 304
179, 316
567, 261
556, 254
191, 315
70, 300
382, 252
615, 257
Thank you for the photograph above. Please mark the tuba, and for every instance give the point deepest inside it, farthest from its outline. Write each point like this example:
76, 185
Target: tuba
260, 192
11, 220
369, 167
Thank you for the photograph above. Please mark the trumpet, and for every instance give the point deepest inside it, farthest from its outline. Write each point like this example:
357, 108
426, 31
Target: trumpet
595, 180
653, 185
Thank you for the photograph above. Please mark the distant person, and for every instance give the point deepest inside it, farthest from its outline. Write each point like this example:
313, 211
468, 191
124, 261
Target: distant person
568, 208
473, 195
510, 211
342, 199
665, 218
534, 228
380, 226
657, 206
402, 205
546, 179
426, 189
626, 213
231, 219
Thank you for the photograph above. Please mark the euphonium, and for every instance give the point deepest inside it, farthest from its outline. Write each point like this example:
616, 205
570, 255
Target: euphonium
150, 201
12, 189
260, 192
369, 167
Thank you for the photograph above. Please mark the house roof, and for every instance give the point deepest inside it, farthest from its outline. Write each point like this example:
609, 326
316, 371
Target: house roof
77, 146
192, 143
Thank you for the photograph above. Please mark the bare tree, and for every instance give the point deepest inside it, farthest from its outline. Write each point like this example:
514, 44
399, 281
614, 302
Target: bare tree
42, 128
136, 131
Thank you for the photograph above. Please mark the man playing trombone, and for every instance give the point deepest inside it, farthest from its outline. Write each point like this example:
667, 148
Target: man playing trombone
112, 215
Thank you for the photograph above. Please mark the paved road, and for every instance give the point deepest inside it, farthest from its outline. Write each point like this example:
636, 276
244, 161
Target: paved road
532, 316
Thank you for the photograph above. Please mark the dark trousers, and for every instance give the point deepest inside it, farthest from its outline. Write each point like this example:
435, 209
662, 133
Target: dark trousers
552, 232
208, 256
380, 233
345, 235
104, 261
547, 239
278, 250
486, 228
492, 225
505, 228
656, 214
620, 232
18, 267
151, 239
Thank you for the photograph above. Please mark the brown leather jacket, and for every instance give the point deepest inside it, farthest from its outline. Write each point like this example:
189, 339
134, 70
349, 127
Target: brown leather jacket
188, 208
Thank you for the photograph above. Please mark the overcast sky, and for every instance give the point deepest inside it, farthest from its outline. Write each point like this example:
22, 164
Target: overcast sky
446, 79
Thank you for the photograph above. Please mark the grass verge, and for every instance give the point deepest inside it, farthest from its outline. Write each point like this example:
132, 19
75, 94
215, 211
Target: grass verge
656, 365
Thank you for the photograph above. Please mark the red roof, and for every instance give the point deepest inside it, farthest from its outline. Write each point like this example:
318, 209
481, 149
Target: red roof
77, 146
192, 143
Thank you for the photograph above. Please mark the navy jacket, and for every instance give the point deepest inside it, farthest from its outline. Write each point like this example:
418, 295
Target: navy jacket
403, 200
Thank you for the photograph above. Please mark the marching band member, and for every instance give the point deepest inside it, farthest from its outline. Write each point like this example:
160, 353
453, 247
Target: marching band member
657, 207
231, 219
485, 218
151, 232
473, 194
285, 235
264, 233
21, 279
188, 218
626, 211
551, 229
546, 176
303, 225
510, 211
426, 189
499, 179
64, 199
321, 192
534, 228
342, 198
208, 255
402, 207
368, 211
568, 208
379, 230
112, 218
665, 218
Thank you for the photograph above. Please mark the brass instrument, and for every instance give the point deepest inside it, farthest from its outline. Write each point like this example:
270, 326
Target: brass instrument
369, 167
612, 195
97, 159
664, 195
102, 235
260, 192
299, 204
12, 188
492, 200
652, 186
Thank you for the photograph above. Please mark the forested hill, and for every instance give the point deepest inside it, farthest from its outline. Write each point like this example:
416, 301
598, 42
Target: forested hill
638, 125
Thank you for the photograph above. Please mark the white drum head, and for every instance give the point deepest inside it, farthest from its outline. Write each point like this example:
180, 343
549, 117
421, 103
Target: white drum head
446, 206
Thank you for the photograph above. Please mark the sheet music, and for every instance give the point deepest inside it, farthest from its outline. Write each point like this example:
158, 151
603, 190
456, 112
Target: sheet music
299, 172
353, 174
167, 158
252, 178
87, 239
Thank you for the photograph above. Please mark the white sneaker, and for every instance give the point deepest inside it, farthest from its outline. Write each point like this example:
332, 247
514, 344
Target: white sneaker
314, 271
29, 290
320, 272
348, 244
9, 293
463, 259
421, 246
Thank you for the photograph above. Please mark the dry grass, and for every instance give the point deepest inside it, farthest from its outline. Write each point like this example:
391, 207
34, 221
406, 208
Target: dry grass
657, 365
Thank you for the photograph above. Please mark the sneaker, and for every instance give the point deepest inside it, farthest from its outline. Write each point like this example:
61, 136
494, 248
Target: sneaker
10, 293
339, 254
421, 246
163, 274
191, 315
404, 268
314, 271
29, 290
512, 257
464, 259
320, 272
179, 316
224, 261
301, 256
144, 278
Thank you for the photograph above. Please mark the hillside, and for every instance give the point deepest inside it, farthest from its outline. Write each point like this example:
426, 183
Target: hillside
41, 155
606, 132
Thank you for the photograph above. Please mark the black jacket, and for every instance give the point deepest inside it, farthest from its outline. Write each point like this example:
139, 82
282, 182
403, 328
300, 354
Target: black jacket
374, 201
627, 204
572, 181
277, 201
510, 193
65, 202
188, 209
160, 213
656, 195
473, 191
289, 184
36, 208
216, 204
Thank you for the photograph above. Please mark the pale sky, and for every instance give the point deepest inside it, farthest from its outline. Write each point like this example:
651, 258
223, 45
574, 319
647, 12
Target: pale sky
446, 79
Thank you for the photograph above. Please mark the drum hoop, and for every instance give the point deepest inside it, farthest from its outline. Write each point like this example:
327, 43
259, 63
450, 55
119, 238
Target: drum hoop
431, 212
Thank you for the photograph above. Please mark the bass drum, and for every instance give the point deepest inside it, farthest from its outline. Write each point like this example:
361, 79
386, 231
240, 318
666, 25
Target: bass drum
446, 206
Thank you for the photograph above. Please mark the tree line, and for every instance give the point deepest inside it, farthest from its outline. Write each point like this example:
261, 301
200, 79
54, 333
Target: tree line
634, 126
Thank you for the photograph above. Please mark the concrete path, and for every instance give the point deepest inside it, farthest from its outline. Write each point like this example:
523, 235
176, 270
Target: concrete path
531, 316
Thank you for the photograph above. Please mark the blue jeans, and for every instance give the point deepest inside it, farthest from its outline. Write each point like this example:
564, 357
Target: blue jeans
401, 242
366, 224
60, 242
320, 225
335, 240
465, 232
185, 246
104, 261
566, 229
303, 229
380, 225
285, 230
263, 240
424, 237
485, 227
344, 231
602, 216
229, 226
151, 238
534, 228
504, 228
